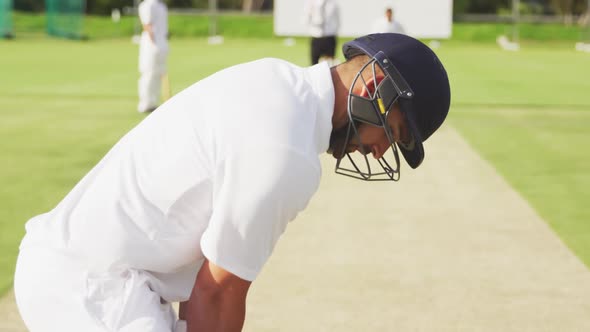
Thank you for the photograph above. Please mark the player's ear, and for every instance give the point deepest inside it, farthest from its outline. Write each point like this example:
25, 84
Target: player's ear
371, 85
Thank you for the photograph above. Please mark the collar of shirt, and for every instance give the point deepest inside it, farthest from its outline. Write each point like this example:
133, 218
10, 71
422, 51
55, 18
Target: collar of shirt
321, 81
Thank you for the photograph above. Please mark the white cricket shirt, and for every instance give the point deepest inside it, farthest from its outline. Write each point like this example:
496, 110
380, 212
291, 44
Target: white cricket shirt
217, 171
382, 25
322, 18
155, 13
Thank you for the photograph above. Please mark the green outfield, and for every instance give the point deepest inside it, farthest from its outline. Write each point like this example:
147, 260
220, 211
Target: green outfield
528, 114
64, 103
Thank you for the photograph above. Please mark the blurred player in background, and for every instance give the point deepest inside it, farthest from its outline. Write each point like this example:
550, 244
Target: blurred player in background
387, 23
153, 51
189, 205
323, 21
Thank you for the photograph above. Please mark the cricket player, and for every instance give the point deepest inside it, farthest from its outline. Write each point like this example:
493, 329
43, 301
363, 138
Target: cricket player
188, 206
323, 21
153, 51
387, 23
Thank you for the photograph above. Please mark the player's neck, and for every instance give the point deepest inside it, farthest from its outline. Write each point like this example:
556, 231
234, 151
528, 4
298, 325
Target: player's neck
341, 83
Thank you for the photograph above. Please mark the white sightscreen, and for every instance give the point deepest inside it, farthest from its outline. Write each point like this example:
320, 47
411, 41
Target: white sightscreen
420, 18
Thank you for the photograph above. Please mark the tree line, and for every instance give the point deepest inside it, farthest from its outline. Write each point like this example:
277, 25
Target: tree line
536, 7
531, 7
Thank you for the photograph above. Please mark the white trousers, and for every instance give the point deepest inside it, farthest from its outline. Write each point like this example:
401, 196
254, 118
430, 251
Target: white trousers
152, 66
55, 292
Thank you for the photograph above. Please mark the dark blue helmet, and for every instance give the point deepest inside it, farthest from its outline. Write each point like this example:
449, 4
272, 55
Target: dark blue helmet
415, 79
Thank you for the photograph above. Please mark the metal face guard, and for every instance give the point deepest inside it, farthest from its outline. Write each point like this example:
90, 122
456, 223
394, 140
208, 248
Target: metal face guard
373, 110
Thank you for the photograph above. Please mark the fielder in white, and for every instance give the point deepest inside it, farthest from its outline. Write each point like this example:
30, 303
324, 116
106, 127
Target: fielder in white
323, 21
153, 52
188, 206
387, 23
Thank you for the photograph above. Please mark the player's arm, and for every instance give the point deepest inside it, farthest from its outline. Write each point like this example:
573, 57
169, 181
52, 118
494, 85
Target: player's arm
146, 17
217, 302
150, 30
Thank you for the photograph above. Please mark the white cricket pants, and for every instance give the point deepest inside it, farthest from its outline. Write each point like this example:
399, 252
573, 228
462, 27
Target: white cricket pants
152, 66
55, 292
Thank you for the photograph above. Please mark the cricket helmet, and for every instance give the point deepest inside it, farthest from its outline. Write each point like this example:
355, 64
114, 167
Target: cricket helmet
415, 79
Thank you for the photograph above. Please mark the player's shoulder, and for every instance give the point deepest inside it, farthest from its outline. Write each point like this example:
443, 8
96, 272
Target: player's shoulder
162, 6
274, 64
146, 7
145, 4
275, 78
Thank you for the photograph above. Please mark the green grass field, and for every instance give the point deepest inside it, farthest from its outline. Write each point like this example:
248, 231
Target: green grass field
527, 113
64, 103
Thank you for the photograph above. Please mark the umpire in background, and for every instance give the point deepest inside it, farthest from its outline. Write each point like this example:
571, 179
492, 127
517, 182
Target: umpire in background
323, 21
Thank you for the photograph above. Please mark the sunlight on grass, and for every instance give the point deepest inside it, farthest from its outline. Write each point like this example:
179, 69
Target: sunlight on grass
64, 103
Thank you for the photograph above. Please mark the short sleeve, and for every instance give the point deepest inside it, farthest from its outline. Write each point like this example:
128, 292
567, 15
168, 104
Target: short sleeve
256, 194
146, 13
